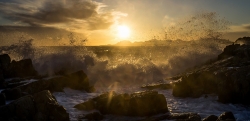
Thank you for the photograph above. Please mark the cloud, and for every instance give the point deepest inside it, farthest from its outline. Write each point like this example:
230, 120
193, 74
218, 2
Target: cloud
240, 28
71, 14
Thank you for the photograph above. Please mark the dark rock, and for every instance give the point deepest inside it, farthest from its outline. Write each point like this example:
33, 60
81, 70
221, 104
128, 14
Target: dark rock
22, 68
226, 116
186, 117
88, 105
22, 109
4, 61
2, 99
175, 117
228, 51
210, 118
244, 40
48, 107
77, 80
136, 104
12, 94
157, 86
95, 116
229, 78
40, 107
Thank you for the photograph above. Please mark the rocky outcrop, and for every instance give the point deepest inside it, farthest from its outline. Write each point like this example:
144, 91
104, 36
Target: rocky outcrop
175, 117
8, 69
22, 68
243, 40
211, 118
77, 80
157, 86
137, 104
226, 116
228, 77
39, 107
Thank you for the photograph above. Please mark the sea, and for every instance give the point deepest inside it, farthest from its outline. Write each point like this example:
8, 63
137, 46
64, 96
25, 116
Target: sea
124, 69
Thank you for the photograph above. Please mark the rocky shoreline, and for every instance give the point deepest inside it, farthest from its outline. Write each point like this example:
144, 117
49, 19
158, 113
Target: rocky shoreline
228, 77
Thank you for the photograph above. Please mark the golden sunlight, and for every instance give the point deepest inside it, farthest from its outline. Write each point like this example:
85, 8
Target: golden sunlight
123, 32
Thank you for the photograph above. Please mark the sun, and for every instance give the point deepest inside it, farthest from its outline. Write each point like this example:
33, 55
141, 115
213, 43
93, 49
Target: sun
123, 32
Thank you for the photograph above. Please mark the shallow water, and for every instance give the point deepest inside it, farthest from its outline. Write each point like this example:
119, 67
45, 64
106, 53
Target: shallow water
203, 106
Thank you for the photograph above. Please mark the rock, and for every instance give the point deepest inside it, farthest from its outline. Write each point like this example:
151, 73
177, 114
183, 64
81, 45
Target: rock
157, 86
40, 107
244, 40
78, 80
2, 99
186, 117
226, 116
4, 61
95, 116
22, 109
136, 104
22, 68
12, 94
228, 78
88, 105
210, 118
48, 108
174, 117
228, 51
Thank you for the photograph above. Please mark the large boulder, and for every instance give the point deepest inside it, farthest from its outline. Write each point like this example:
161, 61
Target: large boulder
229, 77
40, 107
243, 40
136, 104
226, 116
211, 118
77, 80
22, 68
48, 109
4, 61
157, 86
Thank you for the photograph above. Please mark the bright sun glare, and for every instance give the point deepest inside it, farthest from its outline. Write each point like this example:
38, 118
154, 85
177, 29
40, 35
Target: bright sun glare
123, 32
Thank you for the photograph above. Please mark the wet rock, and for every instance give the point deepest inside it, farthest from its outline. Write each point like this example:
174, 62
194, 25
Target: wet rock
2, 99
226, 116
88, 105
228, 78
95, 116
4, 61
22, 109
77, 80
12, 94
174, 117
228, 51
186, 117
40, 107
22, 68
243, 40
157, 86
210, 118
48, 108
136, 104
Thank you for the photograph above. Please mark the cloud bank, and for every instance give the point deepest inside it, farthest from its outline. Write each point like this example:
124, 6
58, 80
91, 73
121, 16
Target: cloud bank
67, 14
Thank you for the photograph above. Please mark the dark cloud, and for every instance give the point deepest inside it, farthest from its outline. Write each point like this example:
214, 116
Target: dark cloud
49, 13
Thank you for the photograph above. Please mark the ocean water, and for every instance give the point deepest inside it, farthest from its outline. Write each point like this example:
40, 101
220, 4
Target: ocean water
203, 106
125, 69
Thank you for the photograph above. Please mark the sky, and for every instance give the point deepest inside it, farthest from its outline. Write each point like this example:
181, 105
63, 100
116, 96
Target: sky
100, 21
